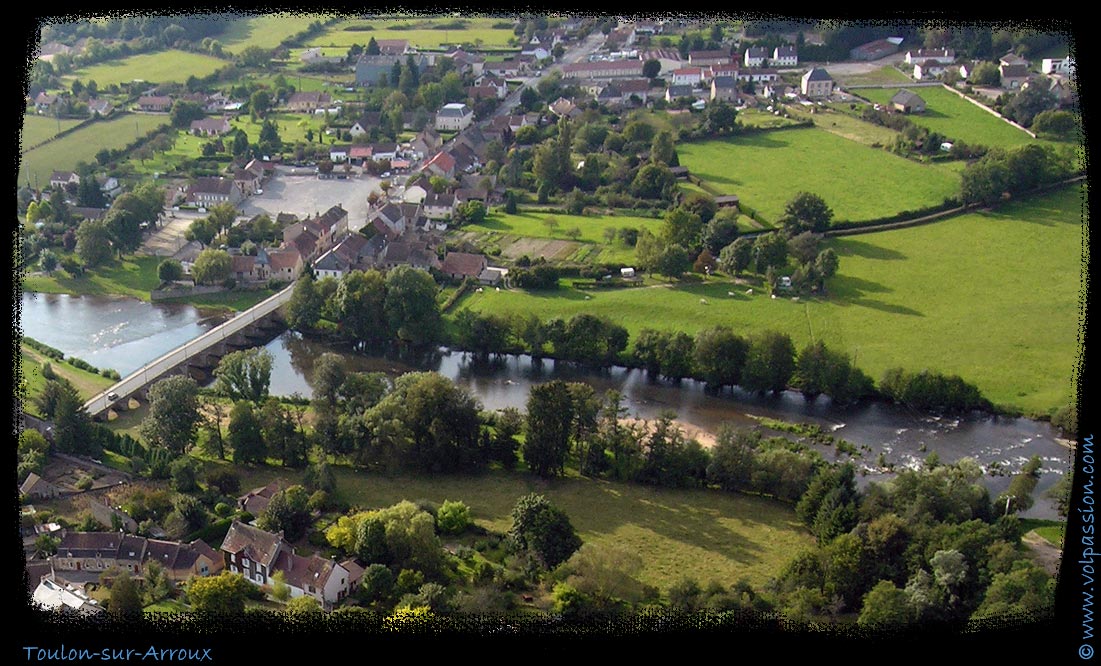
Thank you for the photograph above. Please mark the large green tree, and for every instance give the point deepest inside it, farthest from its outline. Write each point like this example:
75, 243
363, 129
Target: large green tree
544, 529
411, 307
93, 242
244, 375
224, 594
361, 303
770, 362
173, 418
211, 267
806, 212
245, 435
550, 415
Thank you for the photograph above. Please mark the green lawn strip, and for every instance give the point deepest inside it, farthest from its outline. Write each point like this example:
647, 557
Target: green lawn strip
133, 276
167, 606
707, 535
533, 224
87, 384
852, 128
478, 31
265, 31
899, 297
883, 75
292, 126
83, 144
237, 301
167, 66
1053, 534
955, 117
859, 183
763, 119
37, 129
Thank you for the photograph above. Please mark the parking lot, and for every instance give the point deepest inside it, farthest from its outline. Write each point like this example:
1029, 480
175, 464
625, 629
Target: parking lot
308, 195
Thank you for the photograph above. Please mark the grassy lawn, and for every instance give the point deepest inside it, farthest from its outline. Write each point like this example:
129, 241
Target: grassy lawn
419, 31
237, 301
292, 126
83, 144
161, 67
703, 534
265, 31
898, 297
1052, 533
533, 224
857, 182
86, 383
955, 117
167, 606
133, 276
37, 129
883, 75
848, 127
759, 118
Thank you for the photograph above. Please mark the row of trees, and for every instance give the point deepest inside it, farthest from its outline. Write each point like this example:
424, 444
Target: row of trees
1013, 171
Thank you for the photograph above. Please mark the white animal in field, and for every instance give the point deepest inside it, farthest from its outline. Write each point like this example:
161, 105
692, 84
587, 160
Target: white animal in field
703, 301
586, 298
729, 293
479, 290
795, 298
774, 297
498, 288
749, 291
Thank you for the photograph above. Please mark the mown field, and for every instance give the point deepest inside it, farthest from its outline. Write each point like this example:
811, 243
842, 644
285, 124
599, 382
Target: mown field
992, 297
420, 32
83, 144
883, 75
31, 361
265, 31
133, 276
37, 129
955, 117
707, 535
857, 182
162, 67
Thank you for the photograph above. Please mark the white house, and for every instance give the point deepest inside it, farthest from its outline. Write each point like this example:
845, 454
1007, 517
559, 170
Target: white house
454, 117
785, 56
1064, 66
942, 56
687, 76
817, 83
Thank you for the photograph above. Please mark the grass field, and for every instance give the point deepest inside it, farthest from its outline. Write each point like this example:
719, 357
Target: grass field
83, 144
133, 276
900, 296
161, 67
37, 129
419, 31
533, 224
883, 75
956, 118
86, 383
857, 182
707, 535
265, 31
848, 127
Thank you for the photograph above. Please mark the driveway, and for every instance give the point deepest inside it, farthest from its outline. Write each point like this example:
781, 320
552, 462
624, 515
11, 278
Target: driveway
307, 195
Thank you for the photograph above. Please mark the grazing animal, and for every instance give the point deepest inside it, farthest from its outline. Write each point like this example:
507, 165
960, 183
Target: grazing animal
703, 301
729, 293
749, 291
498, 288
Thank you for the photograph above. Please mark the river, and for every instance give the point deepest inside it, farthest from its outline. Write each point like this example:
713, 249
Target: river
123, 334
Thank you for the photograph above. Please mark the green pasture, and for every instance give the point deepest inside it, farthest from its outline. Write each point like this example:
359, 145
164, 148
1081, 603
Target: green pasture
858, 182
265, 30
707, 535
161, 67
419, 31
948, 296
83, 144
956, 117
37, 129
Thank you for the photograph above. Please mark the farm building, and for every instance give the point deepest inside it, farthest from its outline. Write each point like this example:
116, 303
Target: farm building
907, 102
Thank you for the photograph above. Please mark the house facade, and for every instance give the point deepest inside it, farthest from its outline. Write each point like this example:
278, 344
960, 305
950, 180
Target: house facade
816, 83
208, 192
454, 117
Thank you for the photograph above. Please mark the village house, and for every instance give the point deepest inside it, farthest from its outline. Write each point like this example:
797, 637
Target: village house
247, 181
686, 76
929, 69
439, 206
564, 108
817, 83
907, 102
243, 269
785, 56
755, 56
604, 69
44, 102
61, 179
673, 93
760, 75
467, 62
285, 265
210, 126
875, 50
53, 595
100, 107
1013, 76
943, 56
208, 192
308, 102
101, 551
442, 164
669, 58
394, 47
155, 104
454, 117
460, 265
1064, 66
705, 59
724, 89
35, 487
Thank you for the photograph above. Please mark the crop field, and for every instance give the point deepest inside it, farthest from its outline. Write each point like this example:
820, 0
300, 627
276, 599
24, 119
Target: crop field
37, 129
899, 298
83, 144
956, 117
423, 33
162, 67
857, 182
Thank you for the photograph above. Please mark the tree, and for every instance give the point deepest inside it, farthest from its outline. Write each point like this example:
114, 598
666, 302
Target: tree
770, 362
653, 181
826, 265
212, 267
651, 68
550, 414
173, 418
721, 231
806, 212
89, 194
885, 605
986, 74
544, 529
682, 227
48, 261
453, 517
287, 512
283, 440
721, 118
245, 435
1053, 123
1026, 104
183, 112
720, 356
223, 594
769, 251
411, 307
662, 150
304, 307
125, 596
254, 56
244, 375
737, 256
93, 242
372, 47
672, 261
125, 230
1018, 496
169, 270
259, 105
304, 605
185, 474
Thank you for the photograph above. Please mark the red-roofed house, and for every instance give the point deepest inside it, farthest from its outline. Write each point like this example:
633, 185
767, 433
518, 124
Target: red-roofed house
441, 164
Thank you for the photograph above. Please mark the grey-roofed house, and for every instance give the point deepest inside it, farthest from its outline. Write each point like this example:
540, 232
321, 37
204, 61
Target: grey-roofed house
676, 92
755, 56
252, 552
907, 102
208, 192
817, 83
454, 117
724, 88
36, 487
1014, 76
459, 265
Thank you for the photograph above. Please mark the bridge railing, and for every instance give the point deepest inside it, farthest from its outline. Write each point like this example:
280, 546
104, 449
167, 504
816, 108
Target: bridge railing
171, 359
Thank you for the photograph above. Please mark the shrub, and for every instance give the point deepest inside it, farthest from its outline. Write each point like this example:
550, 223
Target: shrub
85, 483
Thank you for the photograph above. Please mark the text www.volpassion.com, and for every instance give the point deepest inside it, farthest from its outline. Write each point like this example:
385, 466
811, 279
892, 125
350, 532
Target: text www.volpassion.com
1085, 651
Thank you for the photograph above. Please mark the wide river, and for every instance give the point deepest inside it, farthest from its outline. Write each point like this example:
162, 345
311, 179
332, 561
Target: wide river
125, 333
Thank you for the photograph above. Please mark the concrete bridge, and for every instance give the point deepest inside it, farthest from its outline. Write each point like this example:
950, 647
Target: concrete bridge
196, 358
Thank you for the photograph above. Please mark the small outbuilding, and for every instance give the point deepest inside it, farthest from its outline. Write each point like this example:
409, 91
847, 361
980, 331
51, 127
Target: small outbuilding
907, 102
